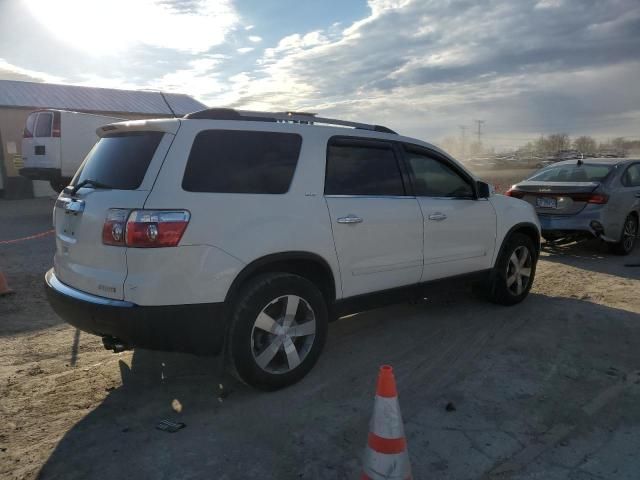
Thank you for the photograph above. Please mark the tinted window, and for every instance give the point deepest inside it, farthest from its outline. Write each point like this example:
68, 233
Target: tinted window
43, 127
573, 173
121, 160
361, 170
434, 178
632, 176
229, 161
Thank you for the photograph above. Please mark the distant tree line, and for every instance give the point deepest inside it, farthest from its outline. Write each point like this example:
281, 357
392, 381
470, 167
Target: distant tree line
557, 142
544, 146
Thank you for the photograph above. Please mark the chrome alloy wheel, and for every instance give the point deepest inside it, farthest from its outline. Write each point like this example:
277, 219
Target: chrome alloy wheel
629, 234
283, 334
519, 270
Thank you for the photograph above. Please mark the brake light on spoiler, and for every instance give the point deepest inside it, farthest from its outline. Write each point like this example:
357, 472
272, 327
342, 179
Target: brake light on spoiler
144, 228
596, 198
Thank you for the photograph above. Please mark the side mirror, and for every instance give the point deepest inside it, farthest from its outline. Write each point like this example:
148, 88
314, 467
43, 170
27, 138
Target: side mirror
484, 189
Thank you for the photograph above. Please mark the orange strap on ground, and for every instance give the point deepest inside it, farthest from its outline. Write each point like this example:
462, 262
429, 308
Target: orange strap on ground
30, 237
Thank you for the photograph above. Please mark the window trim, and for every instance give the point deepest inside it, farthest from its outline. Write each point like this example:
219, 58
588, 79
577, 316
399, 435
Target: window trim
376, 143
421, 150
293, 175
624, 174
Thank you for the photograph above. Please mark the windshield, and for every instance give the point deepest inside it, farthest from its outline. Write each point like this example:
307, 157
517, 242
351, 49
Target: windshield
573, 173
120, 160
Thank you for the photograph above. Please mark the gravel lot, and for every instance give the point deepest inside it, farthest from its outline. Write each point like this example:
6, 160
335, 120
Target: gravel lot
548, 389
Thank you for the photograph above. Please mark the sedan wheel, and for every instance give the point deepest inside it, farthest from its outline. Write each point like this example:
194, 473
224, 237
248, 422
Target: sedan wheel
628, 237
630, 233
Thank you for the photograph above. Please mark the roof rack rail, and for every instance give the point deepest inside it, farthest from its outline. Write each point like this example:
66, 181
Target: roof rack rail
294, 117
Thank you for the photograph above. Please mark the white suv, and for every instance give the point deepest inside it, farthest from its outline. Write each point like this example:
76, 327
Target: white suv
248, 232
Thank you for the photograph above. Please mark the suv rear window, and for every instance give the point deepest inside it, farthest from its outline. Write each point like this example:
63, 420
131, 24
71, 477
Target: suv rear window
120, 160
573, 173
233, 161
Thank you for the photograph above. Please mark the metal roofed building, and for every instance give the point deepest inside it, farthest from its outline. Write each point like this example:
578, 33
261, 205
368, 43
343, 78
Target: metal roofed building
18, 99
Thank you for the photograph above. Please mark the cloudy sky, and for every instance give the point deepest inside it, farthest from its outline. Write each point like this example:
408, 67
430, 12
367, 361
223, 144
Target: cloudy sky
422, 67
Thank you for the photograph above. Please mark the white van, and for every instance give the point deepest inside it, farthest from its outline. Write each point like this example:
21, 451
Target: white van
55, 142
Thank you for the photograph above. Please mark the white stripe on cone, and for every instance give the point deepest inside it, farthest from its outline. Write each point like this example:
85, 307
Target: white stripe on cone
386, 421
380, 466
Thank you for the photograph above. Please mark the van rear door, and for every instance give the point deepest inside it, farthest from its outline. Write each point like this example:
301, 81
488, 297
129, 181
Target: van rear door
127, 162
41, 140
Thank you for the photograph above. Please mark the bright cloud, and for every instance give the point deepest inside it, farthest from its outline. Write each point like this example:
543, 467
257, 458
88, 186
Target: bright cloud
13, 72
110, 27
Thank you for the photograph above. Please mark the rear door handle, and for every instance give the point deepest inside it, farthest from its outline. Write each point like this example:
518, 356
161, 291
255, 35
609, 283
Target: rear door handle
438, 217
350, 219
637, 195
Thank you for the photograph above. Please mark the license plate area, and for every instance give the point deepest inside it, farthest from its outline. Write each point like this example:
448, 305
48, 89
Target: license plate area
546, 202
69, 212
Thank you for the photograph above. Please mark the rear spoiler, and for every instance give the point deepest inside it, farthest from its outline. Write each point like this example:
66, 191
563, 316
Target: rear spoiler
162, 125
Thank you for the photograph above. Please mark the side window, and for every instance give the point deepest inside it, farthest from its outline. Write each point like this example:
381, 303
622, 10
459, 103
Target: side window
434, 178
362, 170
631, 177
43, 126
234, 161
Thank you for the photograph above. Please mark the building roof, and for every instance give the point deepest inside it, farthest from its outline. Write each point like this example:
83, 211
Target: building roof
88, 99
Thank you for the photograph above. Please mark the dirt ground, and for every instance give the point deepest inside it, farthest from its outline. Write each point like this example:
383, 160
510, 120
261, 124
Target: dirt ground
548, 389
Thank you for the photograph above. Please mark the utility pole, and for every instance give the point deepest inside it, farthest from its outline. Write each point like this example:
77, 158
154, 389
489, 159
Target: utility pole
479, 123
463, 133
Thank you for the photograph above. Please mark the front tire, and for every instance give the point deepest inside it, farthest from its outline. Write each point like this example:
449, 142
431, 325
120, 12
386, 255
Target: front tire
278, 329
514, 271
628, 237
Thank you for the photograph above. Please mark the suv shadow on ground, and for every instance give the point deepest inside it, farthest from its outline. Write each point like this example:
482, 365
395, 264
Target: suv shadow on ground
590, 255
511, 374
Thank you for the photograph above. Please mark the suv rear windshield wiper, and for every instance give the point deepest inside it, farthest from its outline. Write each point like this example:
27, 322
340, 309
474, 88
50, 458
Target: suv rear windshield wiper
94, 183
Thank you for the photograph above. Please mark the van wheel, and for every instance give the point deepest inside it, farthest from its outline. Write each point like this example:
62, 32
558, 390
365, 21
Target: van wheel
515, 269
277, 331
628, 236
58, 185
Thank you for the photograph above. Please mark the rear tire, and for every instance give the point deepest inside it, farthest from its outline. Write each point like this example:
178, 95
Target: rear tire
514, 272
278, 329
627, 237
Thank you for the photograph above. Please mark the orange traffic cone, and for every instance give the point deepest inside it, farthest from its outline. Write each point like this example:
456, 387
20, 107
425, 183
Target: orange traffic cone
386, 456
4, 286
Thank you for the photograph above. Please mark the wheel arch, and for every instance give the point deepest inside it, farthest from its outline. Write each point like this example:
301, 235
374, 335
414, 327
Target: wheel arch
306, 264
527, 228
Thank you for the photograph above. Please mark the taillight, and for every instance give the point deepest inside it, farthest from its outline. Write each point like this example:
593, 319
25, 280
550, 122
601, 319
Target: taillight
597, 198
144, 228
156, 228
55, 130
113, 230
514, 193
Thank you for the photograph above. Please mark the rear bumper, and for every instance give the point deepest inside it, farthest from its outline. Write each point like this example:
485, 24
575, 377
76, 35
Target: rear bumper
195, 328
580, 223
39, 173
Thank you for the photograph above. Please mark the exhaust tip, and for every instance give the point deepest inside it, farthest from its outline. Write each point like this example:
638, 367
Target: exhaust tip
597, 228
114, 344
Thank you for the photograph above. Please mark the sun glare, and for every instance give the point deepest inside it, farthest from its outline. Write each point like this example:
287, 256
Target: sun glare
109, 27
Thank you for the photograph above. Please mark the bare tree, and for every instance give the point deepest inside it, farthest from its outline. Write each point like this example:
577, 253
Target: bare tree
558, 141
585, 144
